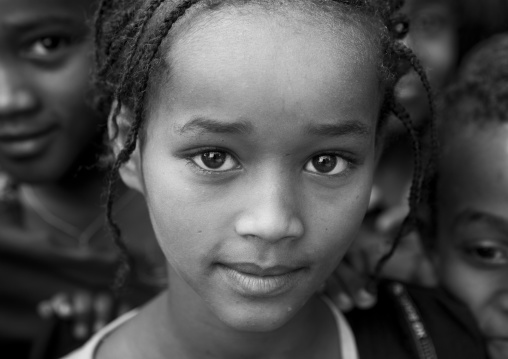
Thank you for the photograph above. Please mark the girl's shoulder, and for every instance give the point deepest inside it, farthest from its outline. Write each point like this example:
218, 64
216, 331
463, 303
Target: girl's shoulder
88, 350
415, 322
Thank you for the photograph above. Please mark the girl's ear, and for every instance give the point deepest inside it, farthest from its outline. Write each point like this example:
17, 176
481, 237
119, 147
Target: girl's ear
118, 130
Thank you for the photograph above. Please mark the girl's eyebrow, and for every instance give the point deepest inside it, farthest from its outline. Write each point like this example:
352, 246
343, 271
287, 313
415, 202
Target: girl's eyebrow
243, 127
347, 128
202, 124
30, 24
477, 216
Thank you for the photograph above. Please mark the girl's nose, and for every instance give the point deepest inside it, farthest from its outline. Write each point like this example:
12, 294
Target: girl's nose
272, 213
16, 97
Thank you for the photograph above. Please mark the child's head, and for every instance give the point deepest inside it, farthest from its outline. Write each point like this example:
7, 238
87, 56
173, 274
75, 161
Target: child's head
471, 250
45, 122
442, 32
433, 37
257, 140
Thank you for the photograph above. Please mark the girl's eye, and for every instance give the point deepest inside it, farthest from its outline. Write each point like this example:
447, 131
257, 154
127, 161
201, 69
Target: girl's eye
44, 46
489, 253
326, 164
217, 161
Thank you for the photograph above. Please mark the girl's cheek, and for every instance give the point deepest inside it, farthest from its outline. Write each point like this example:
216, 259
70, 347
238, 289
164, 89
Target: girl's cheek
468, 284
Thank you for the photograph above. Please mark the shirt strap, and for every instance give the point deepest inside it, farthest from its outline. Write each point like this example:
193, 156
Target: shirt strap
346, 337
421, 338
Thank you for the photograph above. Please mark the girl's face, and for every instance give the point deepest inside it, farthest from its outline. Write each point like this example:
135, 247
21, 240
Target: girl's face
44, 72
258, 161
472, 247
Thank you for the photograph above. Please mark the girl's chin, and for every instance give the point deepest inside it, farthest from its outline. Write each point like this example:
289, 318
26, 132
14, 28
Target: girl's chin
259, 317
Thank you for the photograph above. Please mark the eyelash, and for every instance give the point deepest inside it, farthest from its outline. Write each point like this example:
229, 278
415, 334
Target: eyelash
349, 164
38, 49
192, 161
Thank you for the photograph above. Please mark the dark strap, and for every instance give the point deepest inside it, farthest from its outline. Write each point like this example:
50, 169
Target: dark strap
421, 338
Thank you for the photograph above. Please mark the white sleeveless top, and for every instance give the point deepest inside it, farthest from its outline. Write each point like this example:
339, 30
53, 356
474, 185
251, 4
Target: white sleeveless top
346, 338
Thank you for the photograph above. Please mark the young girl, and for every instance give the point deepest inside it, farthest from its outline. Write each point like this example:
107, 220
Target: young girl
53, 237
252, 129
468, 245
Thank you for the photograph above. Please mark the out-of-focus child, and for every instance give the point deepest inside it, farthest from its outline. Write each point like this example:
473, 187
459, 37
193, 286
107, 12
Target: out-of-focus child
465, 226
442, 31
468, 243
52, 234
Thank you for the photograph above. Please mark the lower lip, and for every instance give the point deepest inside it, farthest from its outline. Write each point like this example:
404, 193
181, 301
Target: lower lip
28, 147
257, 286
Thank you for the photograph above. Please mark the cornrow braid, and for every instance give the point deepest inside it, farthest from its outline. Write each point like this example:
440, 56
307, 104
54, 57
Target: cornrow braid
408, 54
422, 178
129, 37
103, 7
410, 221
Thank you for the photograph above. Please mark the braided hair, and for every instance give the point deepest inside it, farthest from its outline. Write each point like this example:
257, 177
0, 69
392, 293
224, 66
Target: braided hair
132, 34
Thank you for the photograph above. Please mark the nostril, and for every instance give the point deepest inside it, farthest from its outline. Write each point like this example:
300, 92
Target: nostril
271, 228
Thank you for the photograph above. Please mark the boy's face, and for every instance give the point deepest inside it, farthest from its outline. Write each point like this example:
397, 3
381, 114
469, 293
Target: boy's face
472, 249
45, 60
433, 38
258, 163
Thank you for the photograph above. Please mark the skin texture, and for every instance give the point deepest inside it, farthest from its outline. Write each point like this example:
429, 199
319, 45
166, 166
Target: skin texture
471, 257
269, 110
45, 123
433, 38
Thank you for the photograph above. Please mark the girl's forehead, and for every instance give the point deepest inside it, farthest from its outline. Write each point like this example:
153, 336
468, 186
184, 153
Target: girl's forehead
256, 44
284, 81
266, 61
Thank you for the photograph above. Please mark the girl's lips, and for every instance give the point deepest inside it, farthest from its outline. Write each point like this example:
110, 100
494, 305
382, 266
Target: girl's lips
26, 144
254, 281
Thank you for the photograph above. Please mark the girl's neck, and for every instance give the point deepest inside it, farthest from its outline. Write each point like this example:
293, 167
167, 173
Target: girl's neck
176, 325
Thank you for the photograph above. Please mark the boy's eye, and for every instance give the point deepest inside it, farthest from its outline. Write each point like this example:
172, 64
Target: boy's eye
44, 46
326, 164
215, 161
489, 253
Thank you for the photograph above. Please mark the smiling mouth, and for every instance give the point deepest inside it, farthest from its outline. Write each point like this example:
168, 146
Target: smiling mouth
14, 135
252, 280
26, 143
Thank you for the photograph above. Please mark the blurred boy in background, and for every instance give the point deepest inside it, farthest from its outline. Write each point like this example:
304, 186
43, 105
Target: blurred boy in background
53, 240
